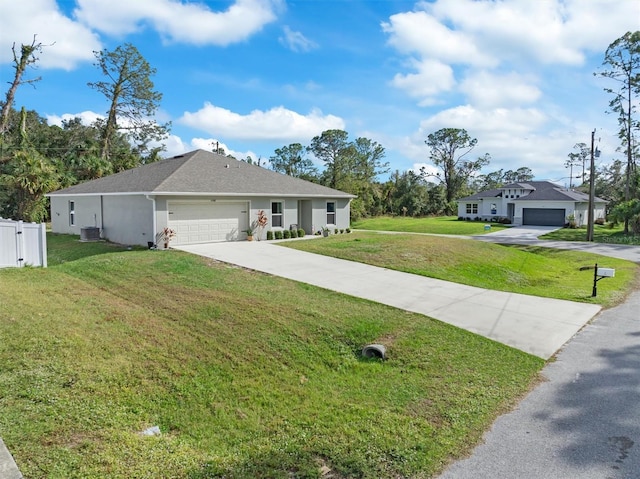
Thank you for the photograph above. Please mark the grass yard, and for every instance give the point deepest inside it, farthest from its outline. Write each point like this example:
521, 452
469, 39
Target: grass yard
247, 375
601, 234
435, 225
521, 269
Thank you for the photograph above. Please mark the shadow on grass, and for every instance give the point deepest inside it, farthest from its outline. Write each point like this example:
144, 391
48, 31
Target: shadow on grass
66, 248
268, 464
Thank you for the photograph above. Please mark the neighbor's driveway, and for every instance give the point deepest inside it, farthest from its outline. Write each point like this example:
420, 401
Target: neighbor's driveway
528, 235
539, 326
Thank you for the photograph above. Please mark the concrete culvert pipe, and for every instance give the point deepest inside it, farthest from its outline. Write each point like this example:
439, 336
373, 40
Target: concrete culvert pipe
374, 351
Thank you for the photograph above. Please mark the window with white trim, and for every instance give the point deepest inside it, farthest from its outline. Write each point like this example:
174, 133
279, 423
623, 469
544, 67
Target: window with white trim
331, 212
276, 214
472, 208
72, 213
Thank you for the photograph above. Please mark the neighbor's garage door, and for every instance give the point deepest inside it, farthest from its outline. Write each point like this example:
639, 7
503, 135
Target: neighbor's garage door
202, 222
543, 216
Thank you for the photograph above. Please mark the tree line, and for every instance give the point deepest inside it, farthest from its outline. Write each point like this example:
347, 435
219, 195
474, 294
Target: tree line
36, 158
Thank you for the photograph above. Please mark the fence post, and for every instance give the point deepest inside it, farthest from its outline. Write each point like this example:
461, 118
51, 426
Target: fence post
43, 244
20, 243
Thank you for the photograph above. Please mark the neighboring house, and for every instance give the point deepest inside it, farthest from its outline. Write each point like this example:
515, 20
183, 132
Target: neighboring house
202, 196
540, 203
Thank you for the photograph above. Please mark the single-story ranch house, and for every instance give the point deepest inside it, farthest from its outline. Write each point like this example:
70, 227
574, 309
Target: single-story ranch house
200, 195
541, 203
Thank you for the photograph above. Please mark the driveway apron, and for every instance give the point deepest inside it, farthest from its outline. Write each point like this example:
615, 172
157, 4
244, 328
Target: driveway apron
528, 235
539, 326
583, 422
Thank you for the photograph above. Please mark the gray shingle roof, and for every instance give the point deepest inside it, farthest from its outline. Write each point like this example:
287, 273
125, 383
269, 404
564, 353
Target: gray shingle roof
540, 191
202, 172
482, 194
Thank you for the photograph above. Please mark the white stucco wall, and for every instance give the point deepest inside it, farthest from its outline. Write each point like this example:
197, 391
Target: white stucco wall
579, 210
129, 219
484, 208
88, 212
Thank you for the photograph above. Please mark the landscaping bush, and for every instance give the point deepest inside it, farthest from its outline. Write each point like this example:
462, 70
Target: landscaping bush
269, 235
293, 233
348, 230
286, 234
460, 218
336, 231
277, 234
301, 233
599, 221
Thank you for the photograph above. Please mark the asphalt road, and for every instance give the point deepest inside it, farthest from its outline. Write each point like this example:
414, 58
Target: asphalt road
583, 422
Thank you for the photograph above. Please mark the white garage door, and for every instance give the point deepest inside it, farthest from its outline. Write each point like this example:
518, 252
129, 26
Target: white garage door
203, 222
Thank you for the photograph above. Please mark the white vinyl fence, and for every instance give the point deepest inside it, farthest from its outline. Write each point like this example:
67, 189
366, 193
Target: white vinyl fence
22, 244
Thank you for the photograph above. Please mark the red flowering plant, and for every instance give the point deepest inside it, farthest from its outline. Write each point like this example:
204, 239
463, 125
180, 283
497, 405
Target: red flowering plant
261, 223
165, 236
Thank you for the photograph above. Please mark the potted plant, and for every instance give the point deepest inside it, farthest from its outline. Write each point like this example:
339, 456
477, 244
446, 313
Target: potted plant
166, 235
249, 232
325, 231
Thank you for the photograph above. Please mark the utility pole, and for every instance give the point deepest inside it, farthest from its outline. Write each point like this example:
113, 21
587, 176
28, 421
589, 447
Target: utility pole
592, 177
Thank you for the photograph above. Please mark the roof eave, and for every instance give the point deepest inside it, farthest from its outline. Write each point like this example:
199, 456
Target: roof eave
191, 193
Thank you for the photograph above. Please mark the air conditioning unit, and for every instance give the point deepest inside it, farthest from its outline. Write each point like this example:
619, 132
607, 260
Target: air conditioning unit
89, 233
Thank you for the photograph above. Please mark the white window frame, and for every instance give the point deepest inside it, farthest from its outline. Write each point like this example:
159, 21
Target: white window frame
72, 213
281, 214
334, 213
472, 208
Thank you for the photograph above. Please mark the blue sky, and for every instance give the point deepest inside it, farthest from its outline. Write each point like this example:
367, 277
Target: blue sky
255, 75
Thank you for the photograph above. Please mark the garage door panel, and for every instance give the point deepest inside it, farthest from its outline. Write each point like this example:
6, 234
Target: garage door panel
543, 216
202, 222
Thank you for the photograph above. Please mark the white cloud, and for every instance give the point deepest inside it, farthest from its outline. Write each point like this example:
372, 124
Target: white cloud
296, 41
86, 117
548, 32
176, 146
432, 77
485, 89
177, 21
275, 124
480, 36
66, 42
422, 33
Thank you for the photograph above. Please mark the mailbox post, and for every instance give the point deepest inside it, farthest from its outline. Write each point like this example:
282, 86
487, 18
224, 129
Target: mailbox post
598, 274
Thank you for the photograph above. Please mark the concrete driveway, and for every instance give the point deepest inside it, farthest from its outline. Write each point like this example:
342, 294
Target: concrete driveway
520, 232
539, 326
528, 235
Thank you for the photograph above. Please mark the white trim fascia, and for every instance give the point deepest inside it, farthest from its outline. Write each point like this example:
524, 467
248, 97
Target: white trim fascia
239, 195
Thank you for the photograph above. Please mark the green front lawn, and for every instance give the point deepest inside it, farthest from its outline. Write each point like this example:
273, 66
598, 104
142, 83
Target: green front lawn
519, 269
448, 225
601, 234
247, 375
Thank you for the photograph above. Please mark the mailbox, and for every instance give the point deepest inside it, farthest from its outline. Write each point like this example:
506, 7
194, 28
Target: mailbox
606, 272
